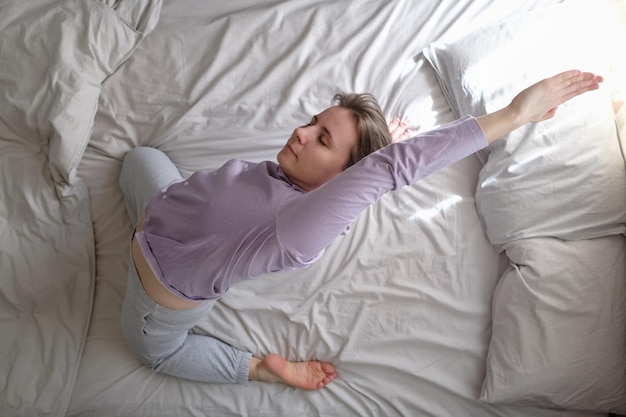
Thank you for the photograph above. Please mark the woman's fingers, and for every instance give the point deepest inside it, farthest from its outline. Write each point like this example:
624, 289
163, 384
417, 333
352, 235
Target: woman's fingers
545, 96
399, 129
574, 83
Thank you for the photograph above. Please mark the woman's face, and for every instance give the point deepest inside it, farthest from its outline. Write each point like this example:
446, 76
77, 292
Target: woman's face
321, 149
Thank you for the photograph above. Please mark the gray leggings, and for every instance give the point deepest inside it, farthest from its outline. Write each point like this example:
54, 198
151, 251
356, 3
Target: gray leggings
162, 338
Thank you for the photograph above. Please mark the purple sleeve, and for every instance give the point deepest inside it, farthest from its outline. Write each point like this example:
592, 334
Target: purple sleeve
309, 225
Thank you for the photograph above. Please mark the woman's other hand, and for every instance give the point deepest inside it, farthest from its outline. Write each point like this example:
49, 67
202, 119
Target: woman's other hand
399, 130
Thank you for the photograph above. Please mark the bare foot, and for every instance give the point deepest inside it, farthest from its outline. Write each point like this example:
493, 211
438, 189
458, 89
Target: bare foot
308, 375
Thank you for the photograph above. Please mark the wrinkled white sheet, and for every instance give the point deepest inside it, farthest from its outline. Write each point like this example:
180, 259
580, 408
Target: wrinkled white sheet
401, 305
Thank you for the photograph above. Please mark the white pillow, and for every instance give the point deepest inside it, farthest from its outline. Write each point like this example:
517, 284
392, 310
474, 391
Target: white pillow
559, 338
54, 55
565, 179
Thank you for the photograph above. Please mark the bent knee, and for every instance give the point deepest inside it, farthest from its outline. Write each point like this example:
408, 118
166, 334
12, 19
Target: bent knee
134, 161
146, 356
151, 350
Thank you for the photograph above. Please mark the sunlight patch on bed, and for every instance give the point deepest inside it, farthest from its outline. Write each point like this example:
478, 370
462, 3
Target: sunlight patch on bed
427, 214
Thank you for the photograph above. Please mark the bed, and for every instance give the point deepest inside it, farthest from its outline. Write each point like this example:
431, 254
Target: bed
493, 287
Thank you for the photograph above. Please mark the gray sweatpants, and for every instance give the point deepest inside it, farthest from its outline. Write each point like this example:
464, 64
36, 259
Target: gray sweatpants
163, 338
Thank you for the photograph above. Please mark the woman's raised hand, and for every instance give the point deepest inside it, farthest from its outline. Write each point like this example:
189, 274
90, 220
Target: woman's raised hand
540, 101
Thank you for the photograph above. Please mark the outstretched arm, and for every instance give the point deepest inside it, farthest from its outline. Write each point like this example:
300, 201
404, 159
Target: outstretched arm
538, 102
311, 223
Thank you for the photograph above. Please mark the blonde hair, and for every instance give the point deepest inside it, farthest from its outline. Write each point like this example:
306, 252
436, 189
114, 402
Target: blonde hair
371, 123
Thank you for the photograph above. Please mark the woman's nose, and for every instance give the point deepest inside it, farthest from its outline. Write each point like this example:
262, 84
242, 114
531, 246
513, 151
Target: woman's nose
302, 135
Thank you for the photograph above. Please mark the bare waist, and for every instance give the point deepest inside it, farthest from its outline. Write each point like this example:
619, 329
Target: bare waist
151, 285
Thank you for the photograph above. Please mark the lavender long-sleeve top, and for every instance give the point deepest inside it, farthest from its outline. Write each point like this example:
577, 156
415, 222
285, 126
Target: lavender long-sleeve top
204, 234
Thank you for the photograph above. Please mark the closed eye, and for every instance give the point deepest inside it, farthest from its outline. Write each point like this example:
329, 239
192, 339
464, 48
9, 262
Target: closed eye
320, 138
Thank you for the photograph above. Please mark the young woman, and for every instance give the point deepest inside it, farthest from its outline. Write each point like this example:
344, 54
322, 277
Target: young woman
197, 237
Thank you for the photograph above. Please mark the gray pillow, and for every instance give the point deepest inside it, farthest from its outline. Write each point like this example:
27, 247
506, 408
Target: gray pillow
54, 55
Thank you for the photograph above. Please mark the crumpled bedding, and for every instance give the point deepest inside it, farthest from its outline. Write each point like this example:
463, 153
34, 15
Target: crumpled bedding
47, 271
53, 57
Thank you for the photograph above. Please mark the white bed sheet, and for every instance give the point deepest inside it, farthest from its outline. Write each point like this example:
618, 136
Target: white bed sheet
402, 305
